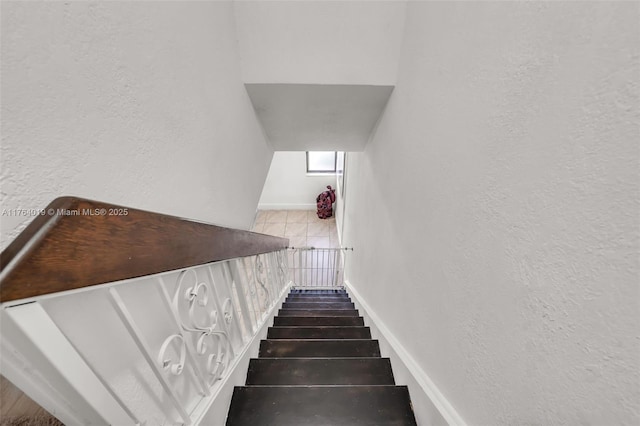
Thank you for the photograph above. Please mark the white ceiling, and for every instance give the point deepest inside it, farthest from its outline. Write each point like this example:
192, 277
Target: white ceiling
318, 117
320, 42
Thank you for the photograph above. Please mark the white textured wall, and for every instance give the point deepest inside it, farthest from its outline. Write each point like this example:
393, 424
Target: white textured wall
136, 103
288, 186
320, 42
494, 215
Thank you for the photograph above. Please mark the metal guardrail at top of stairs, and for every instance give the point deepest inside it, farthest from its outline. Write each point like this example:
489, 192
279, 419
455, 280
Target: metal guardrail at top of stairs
311, 267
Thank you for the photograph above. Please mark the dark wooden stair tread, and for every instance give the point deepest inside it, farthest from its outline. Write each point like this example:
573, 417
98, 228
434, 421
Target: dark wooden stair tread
319, 312
300, 348
310, 300
317, 291
320, 371
320, 332
318, 321
318, 305
317, 299
320, 406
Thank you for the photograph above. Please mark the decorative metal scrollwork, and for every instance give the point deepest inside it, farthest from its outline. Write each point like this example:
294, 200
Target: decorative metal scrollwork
246, 265
167, 363
217, 359
259, 271
191, 296
196, 311
280, 258
227, 310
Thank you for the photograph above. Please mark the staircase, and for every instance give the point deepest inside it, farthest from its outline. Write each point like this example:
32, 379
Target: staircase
319, 366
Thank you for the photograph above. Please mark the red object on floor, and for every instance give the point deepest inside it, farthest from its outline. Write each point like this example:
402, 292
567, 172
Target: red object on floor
325, 203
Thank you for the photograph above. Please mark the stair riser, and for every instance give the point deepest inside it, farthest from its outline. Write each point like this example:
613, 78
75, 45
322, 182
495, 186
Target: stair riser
318, 348
319, 333
316, 290
323, 371
307, 299
318, 321
336, 406
318, 313
318, 305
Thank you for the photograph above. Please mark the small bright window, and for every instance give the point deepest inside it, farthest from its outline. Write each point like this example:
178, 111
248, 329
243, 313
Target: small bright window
321, 161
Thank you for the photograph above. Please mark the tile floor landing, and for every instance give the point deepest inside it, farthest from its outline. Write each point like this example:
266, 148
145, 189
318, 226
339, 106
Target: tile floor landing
302, 227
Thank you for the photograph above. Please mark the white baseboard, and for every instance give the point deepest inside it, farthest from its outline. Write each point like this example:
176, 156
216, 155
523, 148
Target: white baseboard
273, 206
430, 405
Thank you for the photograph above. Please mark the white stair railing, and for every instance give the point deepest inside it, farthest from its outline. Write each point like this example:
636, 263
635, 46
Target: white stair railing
154, 348
150, 350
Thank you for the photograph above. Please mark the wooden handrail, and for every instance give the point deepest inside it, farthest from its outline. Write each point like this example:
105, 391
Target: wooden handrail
79, 243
